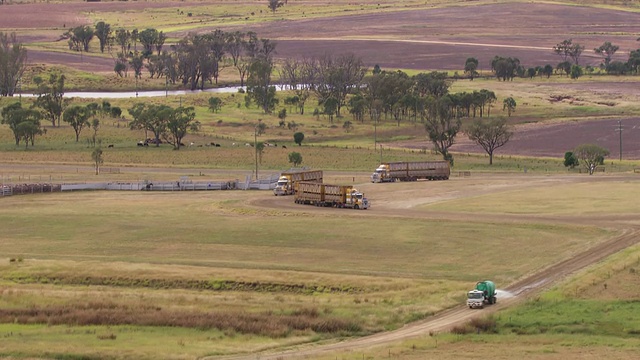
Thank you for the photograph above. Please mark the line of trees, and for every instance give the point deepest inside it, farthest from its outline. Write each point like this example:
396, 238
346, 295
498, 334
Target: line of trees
193, 61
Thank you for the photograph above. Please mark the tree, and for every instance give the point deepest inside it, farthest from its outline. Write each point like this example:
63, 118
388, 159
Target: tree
78, 117
137, 62
295, 158
347, 126
259, 88
330, 107
96, 156
275, 4
576, 71
215, 104
490, 135
123, 38
442, 125
606, 50
590, 156
95, 125
565, 67
50, 97
239, 46
568, 50
24, 123
336, 77
261, 128
150, 118
618, 68
298, 138
471, 67
531, 72
282, 115
149, 38
178, 123
634, 60
13, 61
357, 107
509, 104
103, 33
299, 76
570, 160
80, 37
547, 70
505, 68
260, 150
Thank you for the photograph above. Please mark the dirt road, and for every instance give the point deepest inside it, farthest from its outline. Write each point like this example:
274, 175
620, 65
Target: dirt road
529, 286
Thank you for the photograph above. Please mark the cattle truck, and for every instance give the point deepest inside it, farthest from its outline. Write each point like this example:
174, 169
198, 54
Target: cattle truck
484, 293
288, 179
411, 171
340, 196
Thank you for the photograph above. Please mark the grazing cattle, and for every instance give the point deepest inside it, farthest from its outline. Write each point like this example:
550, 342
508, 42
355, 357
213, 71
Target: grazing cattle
284, 146
141, 143
191, 144
110, 146
247, 144
181, 144
217, 145
213, 144
234, 144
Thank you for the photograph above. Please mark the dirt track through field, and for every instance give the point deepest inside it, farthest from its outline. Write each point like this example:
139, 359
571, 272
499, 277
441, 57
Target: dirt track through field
525, 288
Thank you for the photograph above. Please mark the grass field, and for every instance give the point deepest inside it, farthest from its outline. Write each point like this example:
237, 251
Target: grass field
176, 256
185, 275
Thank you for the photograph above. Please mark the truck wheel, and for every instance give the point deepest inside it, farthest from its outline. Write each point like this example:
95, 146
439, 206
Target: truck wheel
356, 207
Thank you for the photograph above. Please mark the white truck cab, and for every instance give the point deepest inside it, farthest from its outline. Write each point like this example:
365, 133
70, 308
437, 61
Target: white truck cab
475, 299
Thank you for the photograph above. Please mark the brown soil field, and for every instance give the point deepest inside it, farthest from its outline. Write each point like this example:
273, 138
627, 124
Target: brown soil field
442, 38
430, 39
554, 139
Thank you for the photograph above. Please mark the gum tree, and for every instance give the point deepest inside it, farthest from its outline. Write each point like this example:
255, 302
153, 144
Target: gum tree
13, 61
490, 135
590, 156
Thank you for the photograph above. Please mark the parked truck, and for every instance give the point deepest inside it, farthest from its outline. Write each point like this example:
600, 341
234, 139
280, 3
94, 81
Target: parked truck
286, 182
341, 196
411, 171
484, 293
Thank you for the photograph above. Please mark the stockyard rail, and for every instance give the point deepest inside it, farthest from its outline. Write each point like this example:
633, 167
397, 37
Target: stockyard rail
261, 184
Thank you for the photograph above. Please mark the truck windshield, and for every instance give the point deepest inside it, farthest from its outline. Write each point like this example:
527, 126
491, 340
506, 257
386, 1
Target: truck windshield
282, 182
472, 295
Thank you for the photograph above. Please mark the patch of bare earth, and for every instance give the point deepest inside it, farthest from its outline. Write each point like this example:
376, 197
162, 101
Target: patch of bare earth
432, 39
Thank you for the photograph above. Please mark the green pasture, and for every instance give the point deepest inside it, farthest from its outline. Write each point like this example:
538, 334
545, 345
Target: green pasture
327, 145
